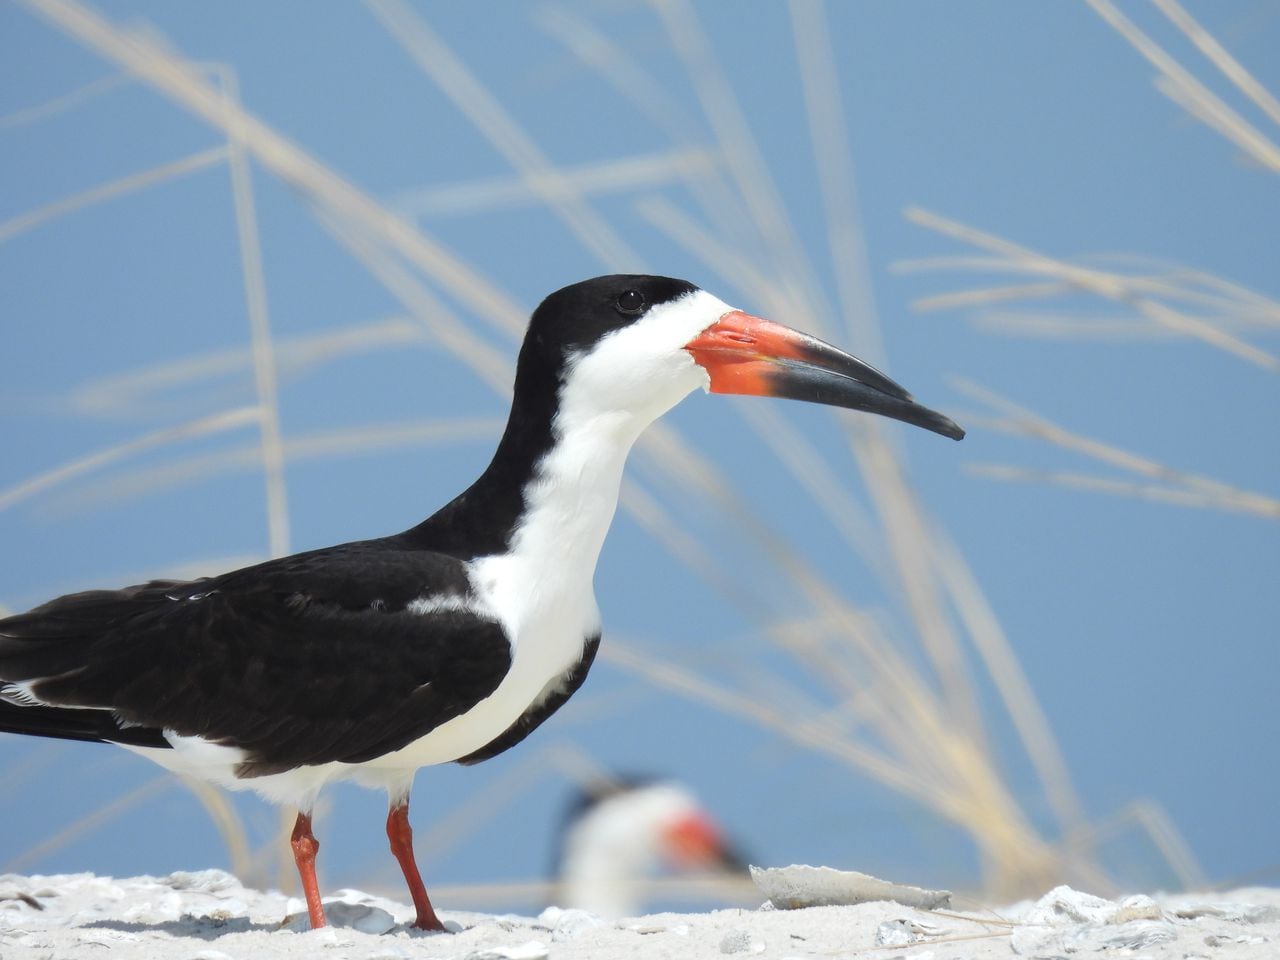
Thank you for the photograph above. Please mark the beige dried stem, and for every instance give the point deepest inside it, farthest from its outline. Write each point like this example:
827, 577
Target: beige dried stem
1153, 820
1221, 58
808, 306
451, 75
615, 65
967, 807
74, 98
182, 82
621, 175
135, 391
235, 838
740, 154
1110, 286
1180, 487
717, 95
1250, 504
1230, 303
255, 294
322, 445
1067, 326
89, 822
1177, 79
1150, 275
880, 471
23, 222
204, 426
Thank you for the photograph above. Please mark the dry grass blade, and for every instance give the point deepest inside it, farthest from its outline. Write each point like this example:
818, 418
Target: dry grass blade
263, 350
324, 445
907, 533
598, 51
835, 161
88, 823
1244, 134
217, 423
1063, 326
135, 392
1022, 421
1168, 281
1224, 61
1152, 819
1030, 722
1251, 503
181, 81
615, 65
451, 75
492, 366
814, 736
1110, 286
614, 176
815, 475
738, 148
228, 823
958, 764
1204, 107
107, 191
973, 298
642, 507
695, 239
977, 803
51, 108
468, 816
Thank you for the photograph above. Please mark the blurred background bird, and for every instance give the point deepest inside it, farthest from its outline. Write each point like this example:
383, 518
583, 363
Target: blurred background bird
617, 834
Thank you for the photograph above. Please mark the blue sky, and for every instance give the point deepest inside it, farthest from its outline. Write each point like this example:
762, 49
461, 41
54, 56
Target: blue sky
1147, 630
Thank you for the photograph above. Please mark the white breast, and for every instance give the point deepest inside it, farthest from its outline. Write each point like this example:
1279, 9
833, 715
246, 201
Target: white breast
541, 590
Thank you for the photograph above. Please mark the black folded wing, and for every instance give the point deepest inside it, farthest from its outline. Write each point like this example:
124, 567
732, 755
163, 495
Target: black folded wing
309, 659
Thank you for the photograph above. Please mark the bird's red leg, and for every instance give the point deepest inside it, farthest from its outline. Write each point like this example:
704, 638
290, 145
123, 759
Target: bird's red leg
401, 836
305, 846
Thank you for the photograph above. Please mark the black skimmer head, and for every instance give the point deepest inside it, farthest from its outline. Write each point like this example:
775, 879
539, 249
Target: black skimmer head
636, 345
452, 641
617, 834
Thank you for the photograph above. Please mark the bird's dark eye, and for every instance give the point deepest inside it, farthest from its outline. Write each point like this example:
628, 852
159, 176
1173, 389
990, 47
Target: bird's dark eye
630, 302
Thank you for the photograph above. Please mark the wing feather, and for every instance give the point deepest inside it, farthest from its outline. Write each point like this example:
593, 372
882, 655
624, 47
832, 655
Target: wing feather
309, 659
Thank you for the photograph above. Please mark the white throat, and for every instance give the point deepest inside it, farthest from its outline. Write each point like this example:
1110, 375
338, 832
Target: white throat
609, 395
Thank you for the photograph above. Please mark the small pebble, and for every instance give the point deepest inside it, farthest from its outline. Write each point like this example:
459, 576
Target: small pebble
740, 940
895, 933
360, 916
570, 924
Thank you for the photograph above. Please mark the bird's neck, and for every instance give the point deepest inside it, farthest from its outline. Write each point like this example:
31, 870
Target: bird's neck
550, 491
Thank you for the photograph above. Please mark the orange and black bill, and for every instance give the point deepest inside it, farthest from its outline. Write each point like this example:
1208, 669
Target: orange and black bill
748, 355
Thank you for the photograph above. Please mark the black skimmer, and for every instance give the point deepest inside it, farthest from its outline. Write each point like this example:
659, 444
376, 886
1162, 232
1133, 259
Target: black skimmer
618, 833
450, 642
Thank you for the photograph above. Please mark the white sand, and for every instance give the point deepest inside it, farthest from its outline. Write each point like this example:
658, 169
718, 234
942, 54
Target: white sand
210, 916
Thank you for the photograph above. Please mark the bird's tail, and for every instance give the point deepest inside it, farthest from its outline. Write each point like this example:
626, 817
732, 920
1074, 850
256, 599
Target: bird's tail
54, 641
